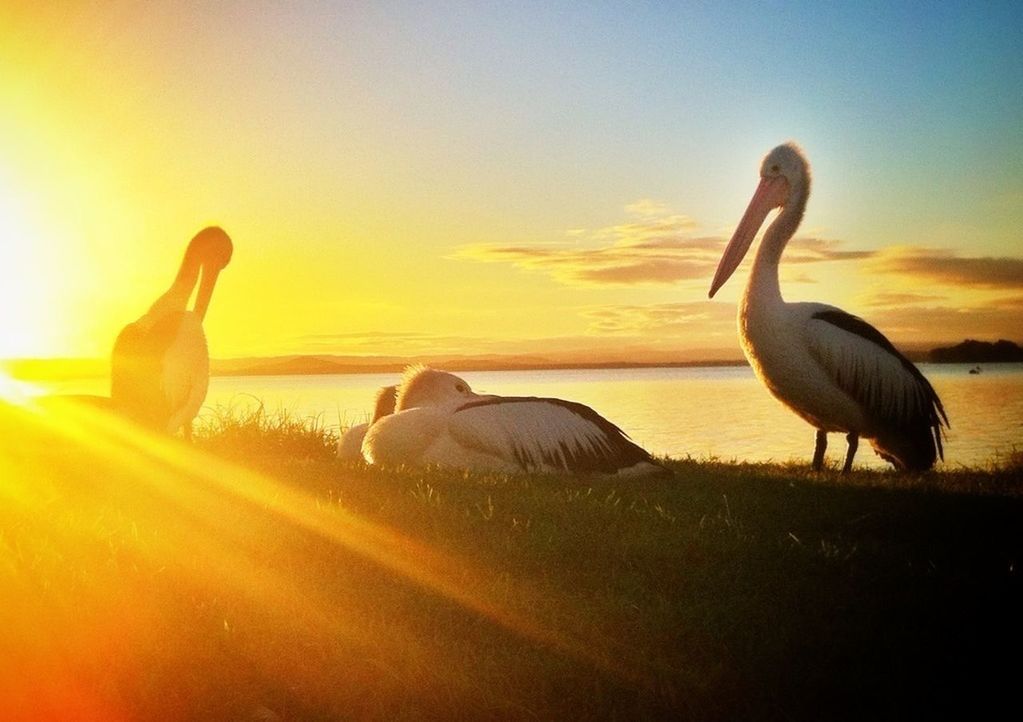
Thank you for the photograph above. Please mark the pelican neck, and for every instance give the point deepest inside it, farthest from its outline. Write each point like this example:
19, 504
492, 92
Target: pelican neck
763, 280
176, 297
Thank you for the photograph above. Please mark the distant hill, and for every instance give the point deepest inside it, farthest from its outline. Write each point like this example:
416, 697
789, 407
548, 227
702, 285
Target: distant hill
71, 368
970, 351
280, 366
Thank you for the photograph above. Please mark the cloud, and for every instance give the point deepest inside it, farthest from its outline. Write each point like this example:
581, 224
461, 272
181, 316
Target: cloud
947, 267
391, 342
649, 228
901, 299
649, 271
616, 334
947, 323
814, 250
788, 276
663, 319
655, 248
646, 207
1014, 303
611, 265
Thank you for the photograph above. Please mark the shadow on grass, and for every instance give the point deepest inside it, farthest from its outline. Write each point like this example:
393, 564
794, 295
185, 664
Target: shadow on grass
255, 575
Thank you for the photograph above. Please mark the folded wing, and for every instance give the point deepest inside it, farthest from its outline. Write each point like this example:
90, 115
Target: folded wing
905, 413
540, 434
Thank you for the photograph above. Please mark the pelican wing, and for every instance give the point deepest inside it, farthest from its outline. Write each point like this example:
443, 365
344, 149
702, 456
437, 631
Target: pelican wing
134, 376
404, 437
865, 364
539, 434
185, 376
349, 446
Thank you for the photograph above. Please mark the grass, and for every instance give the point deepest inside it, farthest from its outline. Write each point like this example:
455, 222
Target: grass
255, 577
252, 433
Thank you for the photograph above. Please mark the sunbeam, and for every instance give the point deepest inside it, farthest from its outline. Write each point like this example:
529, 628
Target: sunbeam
182, 532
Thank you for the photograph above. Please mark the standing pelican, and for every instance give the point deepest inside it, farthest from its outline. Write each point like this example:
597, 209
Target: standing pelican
833, 369
439, 420
349, 447
160, 366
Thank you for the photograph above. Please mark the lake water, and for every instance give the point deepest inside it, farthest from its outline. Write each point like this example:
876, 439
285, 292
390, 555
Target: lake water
703, 412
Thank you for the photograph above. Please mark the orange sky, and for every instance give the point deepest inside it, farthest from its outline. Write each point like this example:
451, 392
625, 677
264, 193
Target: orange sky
449, 180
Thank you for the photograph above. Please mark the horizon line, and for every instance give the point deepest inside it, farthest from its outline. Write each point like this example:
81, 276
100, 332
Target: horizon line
308, 364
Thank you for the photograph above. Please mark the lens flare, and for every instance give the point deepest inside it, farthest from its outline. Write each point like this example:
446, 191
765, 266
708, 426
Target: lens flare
181, 535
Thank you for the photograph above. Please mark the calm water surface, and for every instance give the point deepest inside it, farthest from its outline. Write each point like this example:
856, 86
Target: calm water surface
702, 412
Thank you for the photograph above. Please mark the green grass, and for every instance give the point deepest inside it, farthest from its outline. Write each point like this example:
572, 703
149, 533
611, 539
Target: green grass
254, 433
319, 590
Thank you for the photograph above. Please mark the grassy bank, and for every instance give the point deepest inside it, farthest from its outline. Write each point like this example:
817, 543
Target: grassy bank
254, 577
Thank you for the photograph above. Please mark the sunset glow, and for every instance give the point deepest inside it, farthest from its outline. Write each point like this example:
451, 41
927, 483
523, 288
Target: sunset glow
436, 180
191, 517
452, 428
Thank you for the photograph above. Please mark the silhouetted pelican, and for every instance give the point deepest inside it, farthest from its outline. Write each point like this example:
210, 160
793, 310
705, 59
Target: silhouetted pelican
160, 367
833, 369
440, 420
349, 447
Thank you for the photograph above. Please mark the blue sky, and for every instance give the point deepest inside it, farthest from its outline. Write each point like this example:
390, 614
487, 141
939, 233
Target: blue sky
379, 153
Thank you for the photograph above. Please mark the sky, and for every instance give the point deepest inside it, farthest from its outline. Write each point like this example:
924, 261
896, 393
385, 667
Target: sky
547, 179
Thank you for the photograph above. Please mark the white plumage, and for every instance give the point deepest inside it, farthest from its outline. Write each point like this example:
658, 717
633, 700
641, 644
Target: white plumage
439, 420
160, 366
833, 369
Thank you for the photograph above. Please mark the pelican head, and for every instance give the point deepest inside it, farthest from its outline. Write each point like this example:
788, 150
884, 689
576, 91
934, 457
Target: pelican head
786, 161
386, 399
784, 174
423, 386
212, 248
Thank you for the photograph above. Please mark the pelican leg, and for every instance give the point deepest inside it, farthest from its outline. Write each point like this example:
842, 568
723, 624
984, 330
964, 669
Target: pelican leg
819, 448
854, 441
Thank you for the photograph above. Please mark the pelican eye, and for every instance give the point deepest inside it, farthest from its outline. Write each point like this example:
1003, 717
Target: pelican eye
775, 168
460, 388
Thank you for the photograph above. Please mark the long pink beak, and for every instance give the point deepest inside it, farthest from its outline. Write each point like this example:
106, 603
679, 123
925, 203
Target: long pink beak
202, 298
772, 192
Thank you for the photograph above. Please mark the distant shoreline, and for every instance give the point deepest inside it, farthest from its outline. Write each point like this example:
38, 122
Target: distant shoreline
77, 369
469, 366
73, 369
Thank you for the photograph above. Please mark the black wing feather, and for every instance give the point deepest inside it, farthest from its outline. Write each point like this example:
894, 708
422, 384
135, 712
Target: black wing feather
933, 412
616, 452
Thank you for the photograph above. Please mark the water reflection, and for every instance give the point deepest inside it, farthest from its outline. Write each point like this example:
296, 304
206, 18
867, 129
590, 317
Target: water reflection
703, 412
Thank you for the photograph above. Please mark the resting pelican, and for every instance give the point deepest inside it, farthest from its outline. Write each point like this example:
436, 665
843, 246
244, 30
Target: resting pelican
349, 448
439, 420
160, 367
833, 369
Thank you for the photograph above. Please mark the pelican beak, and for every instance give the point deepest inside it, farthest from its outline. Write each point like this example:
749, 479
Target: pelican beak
202, 298
772, 192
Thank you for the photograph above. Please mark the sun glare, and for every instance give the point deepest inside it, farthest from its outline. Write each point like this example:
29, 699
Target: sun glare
14, 391
188, 513
23, 328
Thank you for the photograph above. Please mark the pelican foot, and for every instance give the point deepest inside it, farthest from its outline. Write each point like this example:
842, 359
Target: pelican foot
854, 441
820, 446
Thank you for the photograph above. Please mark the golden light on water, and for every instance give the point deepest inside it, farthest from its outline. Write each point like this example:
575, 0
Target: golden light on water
13, 391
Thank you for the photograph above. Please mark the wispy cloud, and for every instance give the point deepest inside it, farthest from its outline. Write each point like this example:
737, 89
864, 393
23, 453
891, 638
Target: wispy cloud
948, 267
392, 342
646, 207
663, 319
901, 299
815, 250
627, 334
657, 247
945, 322
650, 261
